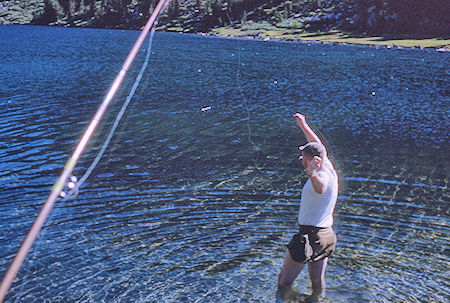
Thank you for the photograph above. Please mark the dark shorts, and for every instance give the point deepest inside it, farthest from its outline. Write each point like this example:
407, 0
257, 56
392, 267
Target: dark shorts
321, 240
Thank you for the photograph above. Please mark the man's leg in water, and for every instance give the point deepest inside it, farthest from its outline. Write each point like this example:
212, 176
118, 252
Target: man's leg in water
317, 275
289, 271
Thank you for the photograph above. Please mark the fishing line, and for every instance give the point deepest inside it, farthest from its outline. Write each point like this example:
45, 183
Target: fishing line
243, 98
241, 92
73, 159
75, 184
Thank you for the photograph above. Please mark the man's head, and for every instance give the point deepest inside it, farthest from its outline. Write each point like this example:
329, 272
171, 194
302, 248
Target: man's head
311, 150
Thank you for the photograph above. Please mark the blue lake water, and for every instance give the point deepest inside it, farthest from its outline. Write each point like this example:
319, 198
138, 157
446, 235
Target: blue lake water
196, 206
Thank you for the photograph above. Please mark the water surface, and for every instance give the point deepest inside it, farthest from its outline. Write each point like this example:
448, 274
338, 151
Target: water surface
196, 206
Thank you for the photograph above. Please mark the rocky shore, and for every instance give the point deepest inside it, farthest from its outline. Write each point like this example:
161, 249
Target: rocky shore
276, 21
340, 38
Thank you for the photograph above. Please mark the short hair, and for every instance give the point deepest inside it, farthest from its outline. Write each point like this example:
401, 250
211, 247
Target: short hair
313, 149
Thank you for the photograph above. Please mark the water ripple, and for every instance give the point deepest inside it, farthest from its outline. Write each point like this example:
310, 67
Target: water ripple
197, 206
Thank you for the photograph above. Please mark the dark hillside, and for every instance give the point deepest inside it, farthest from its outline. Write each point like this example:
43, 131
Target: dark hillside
423, 18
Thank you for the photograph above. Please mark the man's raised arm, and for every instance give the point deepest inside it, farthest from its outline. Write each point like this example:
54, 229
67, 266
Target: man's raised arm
309, 133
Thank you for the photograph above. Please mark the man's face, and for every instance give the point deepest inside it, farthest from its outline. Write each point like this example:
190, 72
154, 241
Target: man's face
305, 159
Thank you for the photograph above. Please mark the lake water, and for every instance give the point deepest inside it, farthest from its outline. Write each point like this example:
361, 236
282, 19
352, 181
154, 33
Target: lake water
196, 206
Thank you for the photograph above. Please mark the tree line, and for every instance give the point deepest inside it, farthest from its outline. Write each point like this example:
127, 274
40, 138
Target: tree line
374, 17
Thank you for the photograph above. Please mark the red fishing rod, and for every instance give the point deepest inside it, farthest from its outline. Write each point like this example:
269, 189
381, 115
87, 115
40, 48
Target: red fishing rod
72, 161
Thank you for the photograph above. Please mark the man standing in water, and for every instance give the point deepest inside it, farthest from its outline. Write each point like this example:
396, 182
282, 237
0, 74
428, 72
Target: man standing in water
315, 240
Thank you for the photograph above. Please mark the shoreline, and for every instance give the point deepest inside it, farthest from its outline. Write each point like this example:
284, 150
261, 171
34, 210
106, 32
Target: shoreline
326, 38
336, 38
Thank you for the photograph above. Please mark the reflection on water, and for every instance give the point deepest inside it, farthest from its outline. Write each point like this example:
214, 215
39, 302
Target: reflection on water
196, 206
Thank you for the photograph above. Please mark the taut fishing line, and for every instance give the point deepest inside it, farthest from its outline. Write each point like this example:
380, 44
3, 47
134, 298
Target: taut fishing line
244, 99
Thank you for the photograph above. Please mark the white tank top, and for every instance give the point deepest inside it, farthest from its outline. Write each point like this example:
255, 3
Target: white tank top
317, 209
